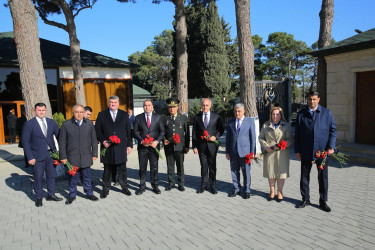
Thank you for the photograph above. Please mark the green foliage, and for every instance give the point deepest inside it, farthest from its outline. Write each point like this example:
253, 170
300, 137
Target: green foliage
216, 65
59, 119
155, 71
283, 50
195, 46
195, 108
46, 7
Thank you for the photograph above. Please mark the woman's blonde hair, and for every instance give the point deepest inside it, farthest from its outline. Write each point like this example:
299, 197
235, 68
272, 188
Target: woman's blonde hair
280, 111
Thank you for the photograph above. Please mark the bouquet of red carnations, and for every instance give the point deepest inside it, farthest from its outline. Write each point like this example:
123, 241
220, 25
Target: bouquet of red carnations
249, 157
113, 139
72, 169
148, 140
207, 137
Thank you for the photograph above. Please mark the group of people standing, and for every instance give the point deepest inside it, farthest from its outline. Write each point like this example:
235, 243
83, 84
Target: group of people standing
78, 143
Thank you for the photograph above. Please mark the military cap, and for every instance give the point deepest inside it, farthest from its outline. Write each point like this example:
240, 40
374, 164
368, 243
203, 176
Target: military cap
172, 102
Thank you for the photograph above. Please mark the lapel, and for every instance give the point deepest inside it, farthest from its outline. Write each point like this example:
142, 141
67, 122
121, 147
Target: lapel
243, 125
108, 115
118, 116
38, 128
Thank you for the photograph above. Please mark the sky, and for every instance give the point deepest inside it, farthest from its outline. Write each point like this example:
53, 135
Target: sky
119, 29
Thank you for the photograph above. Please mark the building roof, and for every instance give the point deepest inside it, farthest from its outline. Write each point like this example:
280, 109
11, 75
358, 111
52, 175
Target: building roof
364, 40
56, 55
140, 92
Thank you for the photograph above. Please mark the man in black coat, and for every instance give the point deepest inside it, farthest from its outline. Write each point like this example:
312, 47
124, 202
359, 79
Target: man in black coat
78, 145
12, 125
20, 122
175, 123
210, 121
148, 123
114, 121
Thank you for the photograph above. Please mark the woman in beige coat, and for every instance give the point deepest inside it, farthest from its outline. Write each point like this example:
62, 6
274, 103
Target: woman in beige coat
276, 161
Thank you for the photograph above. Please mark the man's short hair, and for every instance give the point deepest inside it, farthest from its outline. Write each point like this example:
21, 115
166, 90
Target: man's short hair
206, 99
148, 100
313, 93
239, 105
40, 104
113, 97
77, 105
88, 108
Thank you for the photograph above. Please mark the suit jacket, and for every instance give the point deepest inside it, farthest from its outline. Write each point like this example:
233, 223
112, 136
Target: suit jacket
132, 120
35, 144
242, 143
179, 126
214, 128
156, 129
105, 127
313, 134
78, 144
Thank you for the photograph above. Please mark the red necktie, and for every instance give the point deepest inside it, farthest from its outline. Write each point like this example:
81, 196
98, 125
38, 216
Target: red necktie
148, 122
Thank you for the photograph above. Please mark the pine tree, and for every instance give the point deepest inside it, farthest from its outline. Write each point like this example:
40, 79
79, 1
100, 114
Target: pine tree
216, 66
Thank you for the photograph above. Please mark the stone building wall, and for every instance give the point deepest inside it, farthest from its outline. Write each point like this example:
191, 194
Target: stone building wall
341, 88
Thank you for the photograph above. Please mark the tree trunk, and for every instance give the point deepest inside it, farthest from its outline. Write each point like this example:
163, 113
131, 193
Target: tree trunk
326, 19
26, 37
75, 54
181, 55
246, 52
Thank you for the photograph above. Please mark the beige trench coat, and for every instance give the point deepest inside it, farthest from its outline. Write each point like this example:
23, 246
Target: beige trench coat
276, 163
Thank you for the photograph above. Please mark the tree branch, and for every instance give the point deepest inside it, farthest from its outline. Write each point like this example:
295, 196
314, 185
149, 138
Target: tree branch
53, 23
88, 6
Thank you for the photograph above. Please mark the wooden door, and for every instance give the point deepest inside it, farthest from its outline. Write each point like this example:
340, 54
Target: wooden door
365, 118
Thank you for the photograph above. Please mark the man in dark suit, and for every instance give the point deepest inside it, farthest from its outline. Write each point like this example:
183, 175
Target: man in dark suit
79, 146
114, 121
12, 125
148, 123
20, 122
315, 131
37, 141
210, 121
240, 141
175, 123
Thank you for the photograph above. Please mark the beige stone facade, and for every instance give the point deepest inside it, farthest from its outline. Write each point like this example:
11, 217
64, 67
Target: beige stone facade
341, 88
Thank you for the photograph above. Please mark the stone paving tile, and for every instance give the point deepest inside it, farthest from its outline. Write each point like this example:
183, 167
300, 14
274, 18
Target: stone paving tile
186, 220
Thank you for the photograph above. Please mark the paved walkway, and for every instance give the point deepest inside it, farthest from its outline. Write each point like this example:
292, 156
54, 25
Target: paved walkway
176, 220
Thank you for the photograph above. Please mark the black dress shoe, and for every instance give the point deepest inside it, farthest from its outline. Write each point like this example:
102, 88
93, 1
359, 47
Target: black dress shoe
140, 191
38, 202
126, 192
156, 190
213, 190
54, 198
303, 204
103, 195
69, 200
200, 190
234, 193
169, 188
324, 206
181, 188
246, 196
279, 200
269, 198
92, 197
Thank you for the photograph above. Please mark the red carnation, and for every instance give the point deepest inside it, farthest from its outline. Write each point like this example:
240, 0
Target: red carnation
282, 145
249, 157
176, 138
113, 139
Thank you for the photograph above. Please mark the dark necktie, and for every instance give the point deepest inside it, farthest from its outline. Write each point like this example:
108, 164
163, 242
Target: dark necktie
148, 122
238, 126
173, 117
205, 120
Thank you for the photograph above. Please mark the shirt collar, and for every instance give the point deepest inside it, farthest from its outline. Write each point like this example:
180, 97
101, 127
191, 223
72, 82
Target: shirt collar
312, 110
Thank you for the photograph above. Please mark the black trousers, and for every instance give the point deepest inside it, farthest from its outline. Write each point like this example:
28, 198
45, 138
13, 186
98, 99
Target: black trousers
107, 176
207, 157
12, 135
322, 179
145, 155
178, 158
